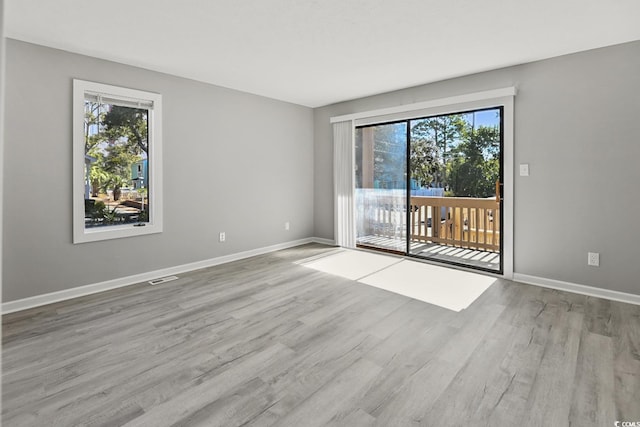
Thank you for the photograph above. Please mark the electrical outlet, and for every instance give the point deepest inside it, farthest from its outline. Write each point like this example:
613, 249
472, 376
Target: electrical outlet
223, 236
593, 259
287, 226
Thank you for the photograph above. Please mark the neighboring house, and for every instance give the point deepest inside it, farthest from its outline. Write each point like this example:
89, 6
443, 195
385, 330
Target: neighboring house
88, 160
140, 174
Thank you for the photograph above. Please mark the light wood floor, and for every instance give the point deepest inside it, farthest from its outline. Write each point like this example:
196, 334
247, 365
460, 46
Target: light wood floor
265, 341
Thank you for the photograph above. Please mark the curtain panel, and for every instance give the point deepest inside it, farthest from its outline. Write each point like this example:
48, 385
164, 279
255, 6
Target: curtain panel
343, 184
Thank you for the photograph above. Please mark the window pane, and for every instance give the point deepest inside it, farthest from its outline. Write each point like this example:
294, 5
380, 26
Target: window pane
116, 165
381, 178
455, 165
459, 153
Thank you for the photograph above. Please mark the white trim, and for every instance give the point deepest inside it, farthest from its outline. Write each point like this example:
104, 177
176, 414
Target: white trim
322, 241
40, 300
441, 102
3, 68
154, 165
578, 289
49, 298
508, 192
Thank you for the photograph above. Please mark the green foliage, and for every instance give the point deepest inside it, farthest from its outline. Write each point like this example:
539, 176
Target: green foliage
93, 116
446, 151
475, 166
99, 211
118, 160
432, 140
424, 163
116, 137
100, 179
130, 123
110, 216
94, 209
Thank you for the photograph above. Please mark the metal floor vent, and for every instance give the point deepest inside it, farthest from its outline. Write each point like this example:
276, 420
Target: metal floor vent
162, 280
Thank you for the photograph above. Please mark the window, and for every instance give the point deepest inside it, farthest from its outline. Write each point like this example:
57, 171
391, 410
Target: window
117, 159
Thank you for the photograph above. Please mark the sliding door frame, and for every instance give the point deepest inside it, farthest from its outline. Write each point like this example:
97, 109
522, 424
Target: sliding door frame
503, 97
501, 178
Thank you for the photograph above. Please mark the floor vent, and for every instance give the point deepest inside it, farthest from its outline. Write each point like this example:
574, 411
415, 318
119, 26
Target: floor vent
162, 280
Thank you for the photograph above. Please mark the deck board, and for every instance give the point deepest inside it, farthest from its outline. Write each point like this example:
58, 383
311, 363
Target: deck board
487, 260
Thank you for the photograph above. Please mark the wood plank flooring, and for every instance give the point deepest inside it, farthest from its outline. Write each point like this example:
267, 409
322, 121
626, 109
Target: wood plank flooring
268, 342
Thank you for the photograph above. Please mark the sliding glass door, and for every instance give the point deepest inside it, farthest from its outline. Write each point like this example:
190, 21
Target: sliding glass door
456, 159
431, 187
381, 186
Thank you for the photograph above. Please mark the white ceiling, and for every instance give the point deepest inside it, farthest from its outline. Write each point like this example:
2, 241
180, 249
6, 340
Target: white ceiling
318, 52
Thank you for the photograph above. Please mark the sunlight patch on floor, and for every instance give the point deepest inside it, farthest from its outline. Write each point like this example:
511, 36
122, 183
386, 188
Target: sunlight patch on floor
441, 286
445, 287
352, 264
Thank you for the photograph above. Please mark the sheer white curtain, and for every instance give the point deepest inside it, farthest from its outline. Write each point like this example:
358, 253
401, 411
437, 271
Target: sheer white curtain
343, 184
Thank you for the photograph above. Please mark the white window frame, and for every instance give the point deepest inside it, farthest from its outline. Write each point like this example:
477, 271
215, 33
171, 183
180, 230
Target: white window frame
153, 102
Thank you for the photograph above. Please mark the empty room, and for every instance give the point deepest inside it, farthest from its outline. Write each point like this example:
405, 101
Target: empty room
320, 213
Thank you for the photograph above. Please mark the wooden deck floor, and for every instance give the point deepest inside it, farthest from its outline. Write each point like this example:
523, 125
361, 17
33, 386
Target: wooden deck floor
470, 257
265, 341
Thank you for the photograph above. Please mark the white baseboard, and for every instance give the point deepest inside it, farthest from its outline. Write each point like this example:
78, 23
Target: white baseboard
49, 298
320, 240
578, 289
38, 300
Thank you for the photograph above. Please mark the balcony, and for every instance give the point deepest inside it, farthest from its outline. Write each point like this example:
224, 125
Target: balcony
452, 229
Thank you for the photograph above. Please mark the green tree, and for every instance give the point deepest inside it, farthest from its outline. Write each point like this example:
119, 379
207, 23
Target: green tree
424, 165
117, 137
438, 134
128, 123
475, 164
117, 164
93, 117
99, 179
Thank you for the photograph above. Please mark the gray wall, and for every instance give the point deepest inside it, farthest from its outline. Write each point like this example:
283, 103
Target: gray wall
577, 123
244, 164
233, 162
